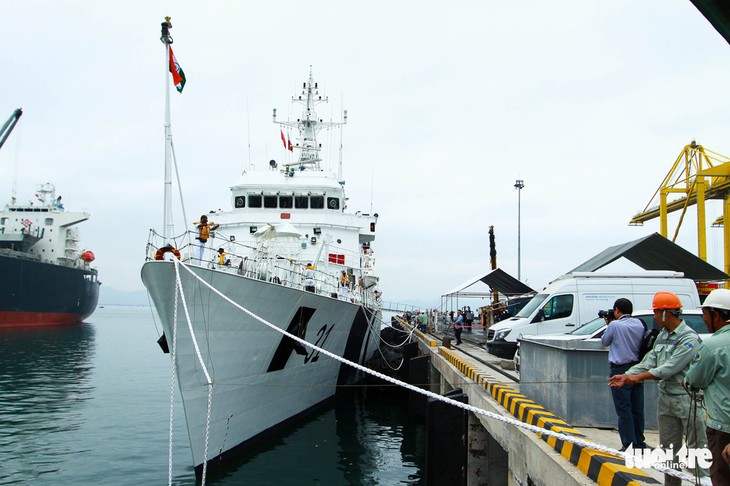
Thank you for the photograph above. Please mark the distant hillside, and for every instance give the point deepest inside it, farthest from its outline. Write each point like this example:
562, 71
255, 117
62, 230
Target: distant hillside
111, 296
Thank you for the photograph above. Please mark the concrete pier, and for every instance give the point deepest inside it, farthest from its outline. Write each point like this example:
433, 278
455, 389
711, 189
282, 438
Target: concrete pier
498, 453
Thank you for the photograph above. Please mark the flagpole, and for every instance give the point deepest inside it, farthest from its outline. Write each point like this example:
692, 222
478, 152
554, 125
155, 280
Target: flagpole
166, 39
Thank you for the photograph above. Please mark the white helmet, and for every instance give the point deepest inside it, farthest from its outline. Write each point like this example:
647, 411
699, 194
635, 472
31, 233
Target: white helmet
718, 299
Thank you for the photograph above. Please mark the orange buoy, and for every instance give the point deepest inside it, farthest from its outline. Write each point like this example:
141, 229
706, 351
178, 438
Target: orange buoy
160, 253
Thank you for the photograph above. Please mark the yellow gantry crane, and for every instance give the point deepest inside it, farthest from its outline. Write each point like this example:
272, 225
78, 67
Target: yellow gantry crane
697, 175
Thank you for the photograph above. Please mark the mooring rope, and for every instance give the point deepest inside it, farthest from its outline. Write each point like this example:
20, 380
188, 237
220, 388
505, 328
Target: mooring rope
172, 387
209, 382
430, 394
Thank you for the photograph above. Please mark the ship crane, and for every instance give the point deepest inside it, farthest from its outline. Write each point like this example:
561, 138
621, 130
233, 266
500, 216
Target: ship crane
7, 128
697, 175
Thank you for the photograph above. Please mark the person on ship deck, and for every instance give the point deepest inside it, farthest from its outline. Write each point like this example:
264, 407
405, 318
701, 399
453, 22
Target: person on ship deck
204, 233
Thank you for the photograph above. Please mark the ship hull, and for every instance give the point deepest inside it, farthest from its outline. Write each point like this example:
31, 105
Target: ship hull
34, 293
260, 377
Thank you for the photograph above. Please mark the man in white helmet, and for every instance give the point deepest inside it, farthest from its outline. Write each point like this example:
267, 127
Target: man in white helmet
710, 371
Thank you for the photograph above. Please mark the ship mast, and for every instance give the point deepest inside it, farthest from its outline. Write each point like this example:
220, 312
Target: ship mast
309, 125
167, 231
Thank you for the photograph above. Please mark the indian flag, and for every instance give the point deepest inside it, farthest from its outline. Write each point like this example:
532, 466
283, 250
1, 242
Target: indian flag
178, 76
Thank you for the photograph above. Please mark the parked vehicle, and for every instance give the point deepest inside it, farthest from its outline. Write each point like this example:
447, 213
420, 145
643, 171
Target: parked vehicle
595, 328
577, 297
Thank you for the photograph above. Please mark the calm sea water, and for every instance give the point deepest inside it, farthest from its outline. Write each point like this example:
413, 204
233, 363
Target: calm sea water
89, 404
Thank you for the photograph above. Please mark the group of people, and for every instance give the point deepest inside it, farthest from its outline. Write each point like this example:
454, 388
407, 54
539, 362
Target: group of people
205, 231
685, 367
425, 321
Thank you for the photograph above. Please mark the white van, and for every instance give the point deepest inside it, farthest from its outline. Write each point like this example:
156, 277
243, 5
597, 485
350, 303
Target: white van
576, 298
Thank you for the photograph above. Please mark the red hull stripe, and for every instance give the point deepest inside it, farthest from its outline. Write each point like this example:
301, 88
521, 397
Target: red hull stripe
16, 319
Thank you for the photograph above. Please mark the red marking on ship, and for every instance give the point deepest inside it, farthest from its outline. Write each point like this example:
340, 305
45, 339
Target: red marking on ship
22, 319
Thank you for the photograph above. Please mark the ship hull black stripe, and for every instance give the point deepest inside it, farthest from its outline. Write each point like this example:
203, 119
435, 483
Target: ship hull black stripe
369, 316
297, 327
354, 346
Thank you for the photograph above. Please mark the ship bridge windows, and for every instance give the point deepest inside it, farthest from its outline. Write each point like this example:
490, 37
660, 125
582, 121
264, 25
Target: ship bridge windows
316, 202
288, 201
270, 201
285, 202
254, 200
301, 202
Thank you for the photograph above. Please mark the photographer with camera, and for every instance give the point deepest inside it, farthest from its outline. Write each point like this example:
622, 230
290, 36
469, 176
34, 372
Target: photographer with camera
623, 336
607, 315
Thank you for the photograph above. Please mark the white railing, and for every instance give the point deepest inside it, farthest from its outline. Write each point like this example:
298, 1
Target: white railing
256, 263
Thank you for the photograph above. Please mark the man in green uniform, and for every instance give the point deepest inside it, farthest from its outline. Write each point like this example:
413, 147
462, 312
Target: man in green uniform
710, 371
667, 362
422, 321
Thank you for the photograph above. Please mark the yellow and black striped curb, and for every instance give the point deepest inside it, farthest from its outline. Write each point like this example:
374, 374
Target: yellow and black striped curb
604, 469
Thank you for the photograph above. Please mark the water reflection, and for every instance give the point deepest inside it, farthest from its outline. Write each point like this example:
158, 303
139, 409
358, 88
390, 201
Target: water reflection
381, 440
366, 436
44, 378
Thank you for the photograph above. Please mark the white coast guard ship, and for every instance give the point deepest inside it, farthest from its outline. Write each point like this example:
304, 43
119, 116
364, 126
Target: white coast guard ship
283, 218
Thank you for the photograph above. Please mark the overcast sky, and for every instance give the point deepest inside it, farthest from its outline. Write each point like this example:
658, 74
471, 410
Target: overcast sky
588, 102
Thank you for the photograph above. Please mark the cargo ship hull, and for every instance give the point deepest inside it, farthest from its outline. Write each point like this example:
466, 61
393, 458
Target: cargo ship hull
34, 293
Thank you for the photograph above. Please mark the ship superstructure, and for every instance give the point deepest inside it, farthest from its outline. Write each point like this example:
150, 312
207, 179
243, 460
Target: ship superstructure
289, 253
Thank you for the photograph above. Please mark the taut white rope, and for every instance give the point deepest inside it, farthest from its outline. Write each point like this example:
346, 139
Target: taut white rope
467, 407
172, 388
209, 382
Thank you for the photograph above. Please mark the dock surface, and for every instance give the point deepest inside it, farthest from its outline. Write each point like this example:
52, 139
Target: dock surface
533, 458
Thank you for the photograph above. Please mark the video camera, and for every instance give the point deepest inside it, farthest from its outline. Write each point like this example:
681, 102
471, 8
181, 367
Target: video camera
606, 314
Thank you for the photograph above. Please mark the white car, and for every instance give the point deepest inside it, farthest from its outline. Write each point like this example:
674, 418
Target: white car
594, 329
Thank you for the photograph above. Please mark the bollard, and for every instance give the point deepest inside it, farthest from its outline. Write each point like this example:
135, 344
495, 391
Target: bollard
447, 342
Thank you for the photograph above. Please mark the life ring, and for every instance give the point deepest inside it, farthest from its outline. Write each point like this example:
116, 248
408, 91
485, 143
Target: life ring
160, 254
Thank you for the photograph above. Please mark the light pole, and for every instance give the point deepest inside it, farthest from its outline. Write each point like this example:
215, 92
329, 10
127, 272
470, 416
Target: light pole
519, 184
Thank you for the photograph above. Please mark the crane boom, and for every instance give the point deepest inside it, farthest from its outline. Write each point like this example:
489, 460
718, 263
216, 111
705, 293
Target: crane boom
681, 187
698, 175
7, 128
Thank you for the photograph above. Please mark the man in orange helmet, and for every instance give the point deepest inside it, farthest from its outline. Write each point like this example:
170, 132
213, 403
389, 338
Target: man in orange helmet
667, 362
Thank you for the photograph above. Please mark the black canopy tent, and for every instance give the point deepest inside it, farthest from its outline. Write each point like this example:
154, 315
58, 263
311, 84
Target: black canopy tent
717, 12
496, 279
655, 252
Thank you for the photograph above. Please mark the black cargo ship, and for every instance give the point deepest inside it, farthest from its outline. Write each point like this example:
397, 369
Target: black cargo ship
46, 279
